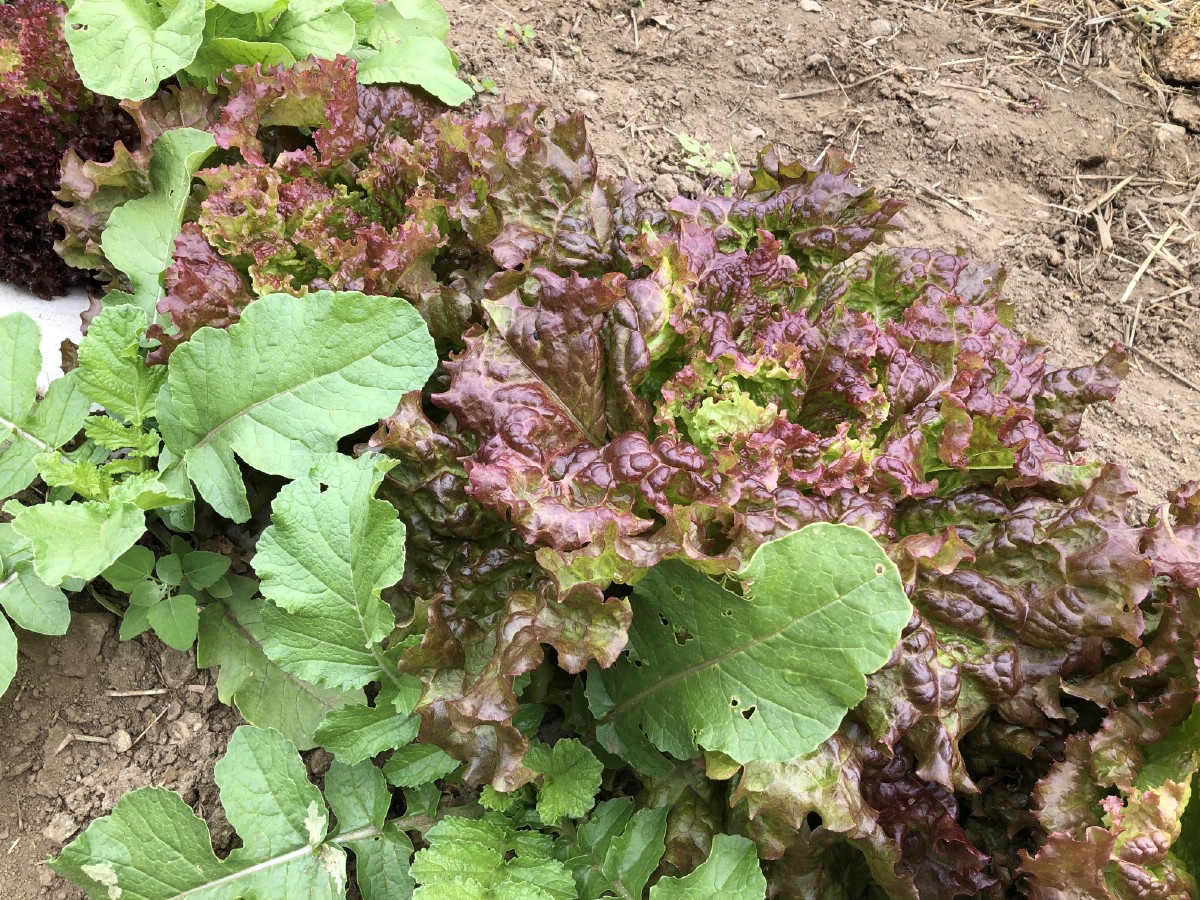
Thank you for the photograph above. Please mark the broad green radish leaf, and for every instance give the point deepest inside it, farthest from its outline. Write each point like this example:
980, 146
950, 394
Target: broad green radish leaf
363, 12
140, 236
319, 28
131, 569
359, 798
247, 6
766, 676
111, 370
29, 428
309, 370
357, 795
124, 48
231, 636
420, 60
418, 764
175, 621
398, 21
355, 733
570, 779
616, 851
77, 540
221, 54
323, 561
730, 872
153, 847
202, 569
8, 654
382, 863
33, 605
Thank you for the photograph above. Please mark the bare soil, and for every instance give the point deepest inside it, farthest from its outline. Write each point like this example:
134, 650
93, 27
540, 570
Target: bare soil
1039, 141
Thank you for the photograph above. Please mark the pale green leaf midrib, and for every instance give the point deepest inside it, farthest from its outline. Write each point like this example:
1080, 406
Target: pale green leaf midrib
25, 434
368, 831
667, 680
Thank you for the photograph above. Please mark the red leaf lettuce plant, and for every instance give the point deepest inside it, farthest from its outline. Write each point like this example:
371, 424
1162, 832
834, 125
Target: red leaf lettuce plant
45, 111
642, 420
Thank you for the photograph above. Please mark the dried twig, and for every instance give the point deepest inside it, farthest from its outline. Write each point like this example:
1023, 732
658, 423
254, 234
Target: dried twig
1186, 382
1131, 333
816, 92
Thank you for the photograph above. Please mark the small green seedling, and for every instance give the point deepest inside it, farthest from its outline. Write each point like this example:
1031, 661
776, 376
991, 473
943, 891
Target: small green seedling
1153, 20
703, 160
164, 594
514, 35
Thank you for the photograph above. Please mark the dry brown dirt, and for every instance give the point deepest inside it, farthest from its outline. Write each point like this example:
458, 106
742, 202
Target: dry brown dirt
1007, 137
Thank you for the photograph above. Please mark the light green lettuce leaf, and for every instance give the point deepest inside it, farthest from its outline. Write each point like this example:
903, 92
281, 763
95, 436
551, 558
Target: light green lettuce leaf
768, 675
153, 847
488, 859
77, 540
308, 371
730, 872
140, 236
124, 48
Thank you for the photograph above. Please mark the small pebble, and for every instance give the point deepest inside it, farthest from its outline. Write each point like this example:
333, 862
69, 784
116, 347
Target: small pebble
120, 740
810, 6
880, 28
1169, 133
61, 827
586, 97
665, 187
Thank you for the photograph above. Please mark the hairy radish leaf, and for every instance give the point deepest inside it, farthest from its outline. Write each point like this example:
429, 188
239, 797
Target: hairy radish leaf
153, 847
308, 371
765, 676
323, 562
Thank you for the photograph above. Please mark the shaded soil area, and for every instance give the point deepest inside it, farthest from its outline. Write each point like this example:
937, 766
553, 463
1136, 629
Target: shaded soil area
1056, 151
